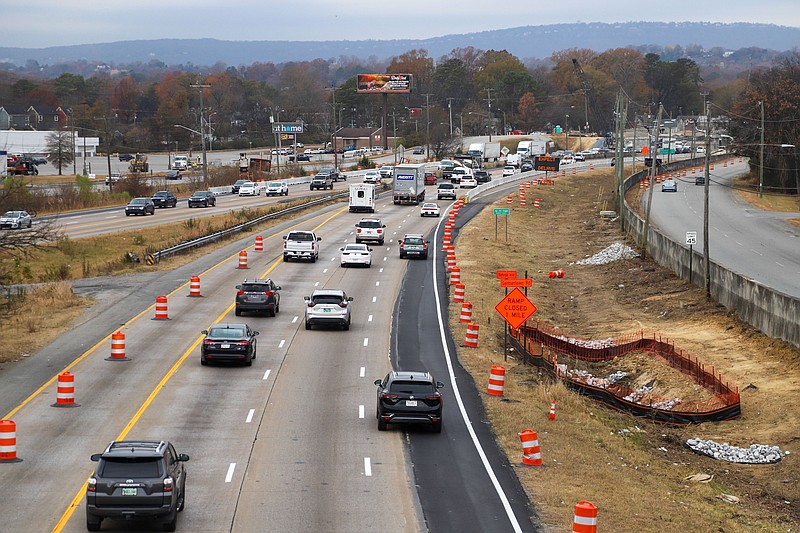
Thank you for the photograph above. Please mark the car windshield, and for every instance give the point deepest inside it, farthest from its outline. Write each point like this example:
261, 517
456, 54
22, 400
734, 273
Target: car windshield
240, 182
369, 224
161, 193
412, 387
247, 184
226, 333
138, 201
446, 186
327, 299
276, 184
300, 237
412, 240
355, 248
13, 214
255, 287
131, 467
429, 206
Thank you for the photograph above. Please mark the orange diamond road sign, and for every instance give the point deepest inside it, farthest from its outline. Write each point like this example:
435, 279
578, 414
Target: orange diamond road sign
505, 274
515, 308
523, 282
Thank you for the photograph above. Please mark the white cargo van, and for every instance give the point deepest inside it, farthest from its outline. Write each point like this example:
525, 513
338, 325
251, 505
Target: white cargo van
362, 197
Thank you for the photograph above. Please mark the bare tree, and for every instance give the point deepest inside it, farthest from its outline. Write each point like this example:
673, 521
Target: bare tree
60, 148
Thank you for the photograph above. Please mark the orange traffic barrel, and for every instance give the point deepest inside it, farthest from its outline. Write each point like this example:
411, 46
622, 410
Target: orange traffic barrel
451, 259
585, 520
471, 340
536, 202
259, 243
497, 380
531, 453
8, 442
522, 200
65, 393
509, 199
161, 308
455, 275
458, 295
466, 312
194, 286
117, 347
243, 259
552, 415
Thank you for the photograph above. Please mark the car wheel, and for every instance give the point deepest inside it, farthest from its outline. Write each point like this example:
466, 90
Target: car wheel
272, 312
93, 522
436, 427
313, 259
402, 256
203, 362
425, 256
237, 312
308, 326
346, 326
172, 524
382, 425
127, 214
182, 500
249, 362
277, 308
285, 258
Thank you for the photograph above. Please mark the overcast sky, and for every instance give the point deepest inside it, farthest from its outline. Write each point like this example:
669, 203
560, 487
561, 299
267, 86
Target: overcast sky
43, 23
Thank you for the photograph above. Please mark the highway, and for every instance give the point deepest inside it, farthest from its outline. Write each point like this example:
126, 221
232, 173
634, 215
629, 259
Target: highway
760, 245
291, 441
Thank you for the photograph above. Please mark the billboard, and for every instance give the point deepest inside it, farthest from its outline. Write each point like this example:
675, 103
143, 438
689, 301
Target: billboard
384, 83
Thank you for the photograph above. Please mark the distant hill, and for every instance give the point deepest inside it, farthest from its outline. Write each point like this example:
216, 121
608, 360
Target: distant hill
524, 42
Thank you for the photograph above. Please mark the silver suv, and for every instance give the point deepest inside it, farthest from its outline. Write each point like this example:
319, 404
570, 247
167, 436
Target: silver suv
413, 245
137, 479
328, 307
370, 230
446, 190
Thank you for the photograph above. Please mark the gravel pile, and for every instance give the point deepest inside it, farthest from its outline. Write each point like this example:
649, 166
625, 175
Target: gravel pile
615, 252
589, 343
755, 454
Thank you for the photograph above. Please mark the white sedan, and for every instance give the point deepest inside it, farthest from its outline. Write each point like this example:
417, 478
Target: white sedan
372, 176
356, 254
429, 209
251, 188
468, 181
509, 170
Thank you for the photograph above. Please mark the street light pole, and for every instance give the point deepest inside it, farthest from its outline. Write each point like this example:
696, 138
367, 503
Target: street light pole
566, 132
202, 134
761, 155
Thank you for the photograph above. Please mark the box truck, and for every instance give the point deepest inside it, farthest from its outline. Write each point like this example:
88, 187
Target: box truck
529, 149
362, 197
484, 151
408, 187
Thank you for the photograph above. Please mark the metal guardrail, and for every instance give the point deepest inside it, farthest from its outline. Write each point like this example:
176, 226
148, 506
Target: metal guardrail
207, 239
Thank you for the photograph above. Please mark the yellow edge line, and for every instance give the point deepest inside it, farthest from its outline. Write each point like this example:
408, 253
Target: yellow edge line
76, 501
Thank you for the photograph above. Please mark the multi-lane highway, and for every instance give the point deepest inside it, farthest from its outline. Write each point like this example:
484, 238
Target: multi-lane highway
289, 444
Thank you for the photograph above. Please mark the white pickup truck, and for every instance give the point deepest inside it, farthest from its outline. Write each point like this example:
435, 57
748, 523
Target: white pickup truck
301, 245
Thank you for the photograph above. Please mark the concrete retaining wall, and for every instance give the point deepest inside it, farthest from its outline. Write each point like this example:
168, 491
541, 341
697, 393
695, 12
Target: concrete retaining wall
773, 313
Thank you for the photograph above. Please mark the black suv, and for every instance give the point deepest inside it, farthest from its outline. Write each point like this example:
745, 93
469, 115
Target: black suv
409, 398
482, 176
137, 479
202, 199
164, 199
258, 295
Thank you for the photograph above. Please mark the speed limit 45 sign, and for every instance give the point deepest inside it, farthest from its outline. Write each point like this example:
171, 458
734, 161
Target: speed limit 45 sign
691, 237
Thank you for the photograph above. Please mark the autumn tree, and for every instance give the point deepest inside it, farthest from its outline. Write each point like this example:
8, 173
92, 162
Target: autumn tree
675, 85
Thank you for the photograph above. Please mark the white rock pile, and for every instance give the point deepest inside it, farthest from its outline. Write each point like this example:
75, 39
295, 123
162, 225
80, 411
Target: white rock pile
614, 252
755, 454
596, 344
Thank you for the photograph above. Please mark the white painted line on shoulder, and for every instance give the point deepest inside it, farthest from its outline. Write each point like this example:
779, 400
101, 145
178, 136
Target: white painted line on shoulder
377, 283
369, 318
367, 467
266, 375
316, 284
229, 475
374, 299
362, 372
780, 265
295, 319
280, 344
250, 414
366, 341
113, 216
360, 411
385, 258
324, 270
381, 269
333, 259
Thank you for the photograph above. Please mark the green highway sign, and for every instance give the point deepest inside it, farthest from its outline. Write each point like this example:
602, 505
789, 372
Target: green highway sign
502, 211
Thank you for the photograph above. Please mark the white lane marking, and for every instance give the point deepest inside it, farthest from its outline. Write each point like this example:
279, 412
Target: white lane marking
381, 269
780, 265
324, 270
360, 411
68, 223
366, 341
755, 252
295, 319
316, 284
369, 318
362, 372
107, 218
377, 283
374, 299
229, 475
346, 239
266, 375
737, 242
249, 416
465, 417
280, 344
333, 259
367, 467
385, 258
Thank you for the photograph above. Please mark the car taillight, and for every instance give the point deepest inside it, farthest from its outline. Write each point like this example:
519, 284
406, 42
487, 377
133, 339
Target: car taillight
402, 244
380, 231
242, 343
358, 230
387, 396
208, 342
268, 293
91, 485
433, 396
342, 304
311, 304
167, 484
240, 293
424, 245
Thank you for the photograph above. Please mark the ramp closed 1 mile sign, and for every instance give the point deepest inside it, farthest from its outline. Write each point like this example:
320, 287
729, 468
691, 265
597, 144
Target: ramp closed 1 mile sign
515, 308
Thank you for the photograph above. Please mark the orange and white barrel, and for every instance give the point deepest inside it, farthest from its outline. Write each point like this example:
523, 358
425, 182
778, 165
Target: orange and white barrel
466, 312
509, 199
585, 520
458, 295
536, 202
455, 275
161, 308
194, 286
65, 393
117, 347
531, 453
451, 259
522, 200
552, 415
243, 259
259, 243
497, 380
563, 172
471, 339
8, 442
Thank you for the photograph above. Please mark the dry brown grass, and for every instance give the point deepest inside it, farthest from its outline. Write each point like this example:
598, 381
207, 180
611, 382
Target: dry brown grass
636, 478
35, 317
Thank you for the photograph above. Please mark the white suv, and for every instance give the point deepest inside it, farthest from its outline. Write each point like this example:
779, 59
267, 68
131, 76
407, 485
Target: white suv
278, 187
328, 306
370, 230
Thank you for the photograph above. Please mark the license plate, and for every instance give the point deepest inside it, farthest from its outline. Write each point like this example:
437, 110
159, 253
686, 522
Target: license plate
130, 491
327, 310
224, 345
411, 403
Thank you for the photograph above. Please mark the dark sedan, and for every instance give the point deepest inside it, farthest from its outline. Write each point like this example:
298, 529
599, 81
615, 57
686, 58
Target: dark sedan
140, 206
174, 174
125, 157
229, 343
202, 199
409, 398
165, 199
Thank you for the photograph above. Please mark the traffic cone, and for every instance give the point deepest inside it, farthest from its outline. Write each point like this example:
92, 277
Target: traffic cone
552, 415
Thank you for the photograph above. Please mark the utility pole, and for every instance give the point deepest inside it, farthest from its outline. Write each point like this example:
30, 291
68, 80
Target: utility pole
491, 119
428, 125
706, 254
622, 119
653, 154
760, 156
200, 86
450, 111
